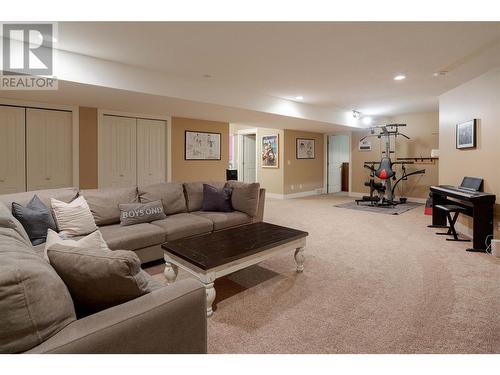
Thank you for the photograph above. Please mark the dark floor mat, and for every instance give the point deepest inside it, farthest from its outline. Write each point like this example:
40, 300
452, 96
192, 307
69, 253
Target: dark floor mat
395, 210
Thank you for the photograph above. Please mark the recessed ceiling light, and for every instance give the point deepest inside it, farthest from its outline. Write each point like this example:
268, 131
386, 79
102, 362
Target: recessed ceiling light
367, 120
440, 73
399, 77
299, 97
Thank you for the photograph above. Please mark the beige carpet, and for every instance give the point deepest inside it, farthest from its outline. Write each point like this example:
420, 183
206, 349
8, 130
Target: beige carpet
372, 284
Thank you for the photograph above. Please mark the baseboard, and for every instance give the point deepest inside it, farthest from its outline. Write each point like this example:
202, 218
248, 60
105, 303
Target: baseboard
274, 195
302, 194
354, 194
464, 229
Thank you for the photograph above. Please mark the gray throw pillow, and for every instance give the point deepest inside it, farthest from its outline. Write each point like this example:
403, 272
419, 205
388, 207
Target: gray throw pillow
135, 213
245, 196
98, 279
35, 218
216, 199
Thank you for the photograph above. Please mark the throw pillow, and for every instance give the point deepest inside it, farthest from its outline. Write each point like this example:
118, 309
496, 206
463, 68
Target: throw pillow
98, 279
135, 213
35, 218
74, 218
245, 197
216, 199
93, 240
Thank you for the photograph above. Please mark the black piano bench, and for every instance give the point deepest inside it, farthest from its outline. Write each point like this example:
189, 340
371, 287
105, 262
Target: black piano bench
448, 209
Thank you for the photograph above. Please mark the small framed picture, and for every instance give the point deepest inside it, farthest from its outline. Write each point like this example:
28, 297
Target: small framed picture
466, 134
305, 148
270, 151
201, 145
365, 145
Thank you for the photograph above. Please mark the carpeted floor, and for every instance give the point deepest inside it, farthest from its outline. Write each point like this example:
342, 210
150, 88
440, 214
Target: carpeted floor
372, 284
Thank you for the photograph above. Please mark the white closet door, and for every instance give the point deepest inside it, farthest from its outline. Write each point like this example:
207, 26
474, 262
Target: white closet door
150, 151
117, 151
12, 150
49, 144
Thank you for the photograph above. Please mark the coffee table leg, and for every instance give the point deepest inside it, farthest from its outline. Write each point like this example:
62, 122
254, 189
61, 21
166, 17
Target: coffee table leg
170, 271
300, 258
210, 290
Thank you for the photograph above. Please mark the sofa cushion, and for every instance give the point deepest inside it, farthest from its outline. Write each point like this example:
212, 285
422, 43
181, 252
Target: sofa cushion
245, 197
184, 225
136, 213
132, 237
63, 194
104, 203
194, 193
34, 302
74, 218
223, 220
98, 279
216, 199
171, 195
7, 220
35, 218
93, 240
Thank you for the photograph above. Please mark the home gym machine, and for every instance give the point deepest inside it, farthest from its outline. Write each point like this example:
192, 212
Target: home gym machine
382, 194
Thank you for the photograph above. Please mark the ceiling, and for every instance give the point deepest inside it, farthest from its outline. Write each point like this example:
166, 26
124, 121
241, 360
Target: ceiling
349, 65
77, 94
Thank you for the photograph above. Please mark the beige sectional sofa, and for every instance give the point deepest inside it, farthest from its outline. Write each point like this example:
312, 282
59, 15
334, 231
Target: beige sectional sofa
169, 319
182, 204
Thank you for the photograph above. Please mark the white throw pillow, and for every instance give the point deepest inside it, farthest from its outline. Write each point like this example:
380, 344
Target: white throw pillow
93, 241
74, 218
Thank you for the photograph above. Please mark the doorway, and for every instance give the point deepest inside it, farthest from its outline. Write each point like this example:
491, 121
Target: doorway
338, 163
249, 167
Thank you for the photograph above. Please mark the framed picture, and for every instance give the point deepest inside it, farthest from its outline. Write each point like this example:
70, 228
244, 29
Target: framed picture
466, 134
201, 145
305, 148
365, 145
270, 151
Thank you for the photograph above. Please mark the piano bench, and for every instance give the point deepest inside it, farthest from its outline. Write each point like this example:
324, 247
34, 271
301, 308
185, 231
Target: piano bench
449, 209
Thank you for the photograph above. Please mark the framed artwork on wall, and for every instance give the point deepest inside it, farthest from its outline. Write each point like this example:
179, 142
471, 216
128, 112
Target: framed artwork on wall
304, 148
466, 134
270, 151
202, 145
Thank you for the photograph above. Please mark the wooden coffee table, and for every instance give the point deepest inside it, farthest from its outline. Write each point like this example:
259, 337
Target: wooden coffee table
213, 255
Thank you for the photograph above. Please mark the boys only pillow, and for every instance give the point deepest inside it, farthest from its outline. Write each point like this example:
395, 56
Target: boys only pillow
135, 213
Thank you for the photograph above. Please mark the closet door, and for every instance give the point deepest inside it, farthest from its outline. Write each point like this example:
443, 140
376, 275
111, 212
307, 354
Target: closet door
49, 150
12, 150
150, 151
117, 151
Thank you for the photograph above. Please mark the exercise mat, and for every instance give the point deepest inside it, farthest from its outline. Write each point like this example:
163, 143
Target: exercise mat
389, 210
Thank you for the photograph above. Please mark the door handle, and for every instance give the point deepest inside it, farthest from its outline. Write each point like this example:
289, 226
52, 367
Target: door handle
121, 175
47, 178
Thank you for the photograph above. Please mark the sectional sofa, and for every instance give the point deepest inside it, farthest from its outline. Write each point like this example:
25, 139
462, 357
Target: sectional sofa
169, 319
182, 203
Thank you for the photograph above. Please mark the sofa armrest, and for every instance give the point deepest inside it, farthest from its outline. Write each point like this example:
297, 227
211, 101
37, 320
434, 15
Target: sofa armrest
168, 320
260, 209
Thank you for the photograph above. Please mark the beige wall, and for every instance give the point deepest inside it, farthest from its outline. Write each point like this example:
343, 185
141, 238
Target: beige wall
302, 175
480, 99
88, 147
423, 129
196, 170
